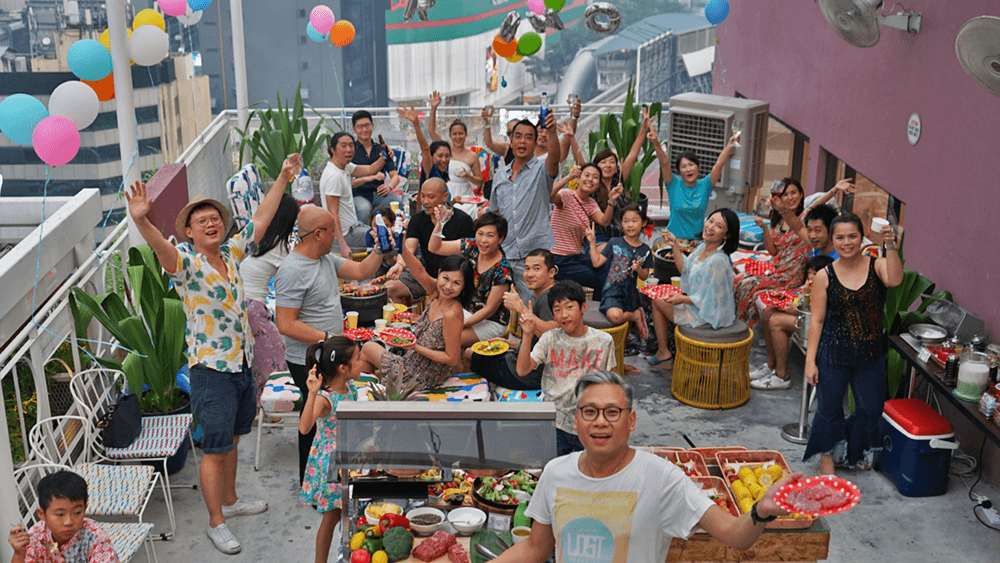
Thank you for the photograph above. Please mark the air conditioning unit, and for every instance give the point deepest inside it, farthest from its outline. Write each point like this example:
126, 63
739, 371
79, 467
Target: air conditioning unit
703, 123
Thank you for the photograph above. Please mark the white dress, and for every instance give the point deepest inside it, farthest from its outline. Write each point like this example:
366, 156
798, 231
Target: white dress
459, 187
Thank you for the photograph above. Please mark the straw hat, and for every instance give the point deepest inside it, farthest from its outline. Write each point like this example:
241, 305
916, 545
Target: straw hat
182, 218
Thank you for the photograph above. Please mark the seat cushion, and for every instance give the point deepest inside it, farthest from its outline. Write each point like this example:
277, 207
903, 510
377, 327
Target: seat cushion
593, 317
160, 437
280, 394
126, 537
115, 490
505, 395
466, 387
737, 332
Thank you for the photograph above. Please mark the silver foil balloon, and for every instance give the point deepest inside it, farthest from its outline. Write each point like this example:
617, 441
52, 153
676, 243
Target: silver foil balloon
411, 8
553, 20
423, 6
609, 11
537, 21
508, 29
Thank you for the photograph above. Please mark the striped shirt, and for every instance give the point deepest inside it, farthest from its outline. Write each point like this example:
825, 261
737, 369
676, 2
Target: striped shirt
570, 222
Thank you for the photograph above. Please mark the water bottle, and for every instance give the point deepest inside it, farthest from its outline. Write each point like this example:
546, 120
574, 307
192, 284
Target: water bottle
545, 109
302, 190
383, 234
397, 231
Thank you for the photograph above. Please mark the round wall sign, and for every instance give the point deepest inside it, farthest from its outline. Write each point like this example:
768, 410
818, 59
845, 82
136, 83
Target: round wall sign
913, 129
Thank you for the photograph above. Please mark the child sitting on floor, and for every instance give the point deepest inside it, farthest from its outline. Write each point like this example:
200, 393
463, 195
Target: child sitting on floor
778, 324
629, 259
62, 533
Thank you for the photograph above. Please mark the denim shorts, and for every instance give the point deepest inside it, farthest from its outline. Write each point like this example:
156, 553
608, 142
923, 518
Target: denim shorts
224, 404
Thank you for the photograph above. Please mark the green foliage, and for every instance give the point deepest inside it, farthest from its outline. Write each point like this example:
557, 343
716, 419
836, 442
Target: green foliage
150, 326
621, 135
282, 131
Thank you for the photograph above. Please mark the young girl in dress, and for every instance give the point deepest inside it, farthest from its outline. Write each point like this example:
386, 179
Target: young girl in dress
629, 258
331, 364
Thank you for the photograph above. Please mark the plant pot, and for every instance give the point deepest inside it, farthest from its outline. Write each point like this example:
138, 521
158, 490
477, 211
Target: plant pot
175, 463
643, 202
664, 266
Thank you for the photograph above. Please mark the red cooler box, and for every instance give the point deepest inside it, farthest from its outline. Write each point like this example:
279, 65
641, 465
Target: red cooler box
916, 447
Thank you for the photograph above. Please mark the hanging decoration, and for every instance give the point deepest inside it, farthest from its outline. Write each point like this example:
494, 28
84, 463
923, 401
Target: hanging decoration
56, 140
529, 44
104, 88
419, 7
322, 20
508, 29
542, 22
149, 17
173, 7
602, 17
504, 48
315, 35
716, 11
89, 60
19, 115
198, 5
342, 33
148, 45
190, 16
76, 102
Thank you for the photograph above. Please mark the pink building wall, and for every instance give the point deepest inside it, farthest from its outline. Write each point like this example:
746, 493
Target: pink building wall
855, 103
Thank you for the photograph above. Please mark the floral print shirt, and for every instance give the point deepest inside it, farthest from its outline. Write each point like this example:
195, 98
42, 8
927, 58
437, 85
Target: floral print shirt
499, 274
90, 545
217, 331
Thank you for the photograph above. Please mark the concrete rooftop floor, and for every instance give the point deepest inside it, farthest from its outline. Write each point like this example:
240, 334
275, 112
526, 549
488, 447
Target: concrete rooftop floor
885, 526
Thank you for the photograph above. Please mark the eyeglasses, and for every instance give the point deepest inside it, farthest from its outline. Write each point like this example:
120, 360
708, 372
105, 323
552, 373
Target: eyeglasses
611, 414
319, 230
363, 126
207, 221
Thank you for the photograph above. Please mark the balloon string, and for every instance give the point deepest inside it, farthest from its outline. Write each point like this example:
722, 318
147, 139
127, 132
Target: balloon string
194, 79
718, 51
336, 80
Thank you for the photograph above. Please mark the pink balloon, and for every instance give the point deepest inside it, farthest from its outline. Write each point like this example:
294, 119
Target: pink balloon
56, 140
322, 19
173, 7
537, 6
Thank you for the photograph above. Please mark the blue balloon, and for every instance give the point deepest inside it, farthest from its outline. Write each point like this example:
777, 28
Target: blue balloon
89, 60
315, 35
716, 11
199, 5
19, 115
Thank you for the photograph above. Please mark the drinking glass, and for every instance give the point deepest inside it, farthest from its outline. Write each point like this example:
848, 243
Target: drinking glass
737, 131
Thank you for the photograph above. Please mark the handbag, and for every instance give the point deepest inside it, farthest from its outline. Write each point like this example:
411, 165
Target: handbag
121, 423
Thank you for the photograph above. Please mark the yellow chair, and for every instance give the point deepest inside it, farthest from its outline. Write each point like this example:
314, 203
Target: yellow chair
512, 328
359, 256
711, 367
593, 317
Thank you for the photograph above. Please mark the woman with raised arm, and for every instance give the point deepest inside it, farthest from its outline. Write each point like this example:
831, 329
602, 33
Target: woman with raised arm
612, 175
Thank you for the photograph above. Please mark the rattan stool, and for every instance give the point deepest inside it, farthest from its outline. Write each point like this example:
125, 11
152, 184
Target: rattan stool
593, 317
711, 367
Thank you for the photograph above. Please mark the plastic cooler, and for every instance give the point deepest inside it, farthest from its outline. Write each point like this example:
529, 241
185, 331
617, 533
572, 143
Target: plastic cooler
916, 447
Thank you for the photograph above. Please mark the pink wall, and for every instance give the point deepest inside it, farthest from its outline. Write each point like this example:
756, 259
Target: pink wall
855, 103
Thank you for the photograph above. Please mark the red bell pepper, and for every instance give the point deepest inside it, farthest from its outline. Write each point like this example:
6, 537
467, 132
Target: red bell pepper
393, 520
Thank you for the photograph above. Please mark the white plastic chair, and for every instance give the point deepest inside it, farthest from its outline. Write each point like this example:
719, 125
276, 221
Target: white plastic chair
114, 490
289, 418
125, 537
95, 390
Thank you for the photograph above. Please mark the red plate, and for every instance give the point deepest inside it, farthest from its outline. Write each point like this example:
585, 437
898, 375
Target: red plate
778, 299
388, 335
661, 291
359, 334
834, 483
477, 199
405, 317
758, 268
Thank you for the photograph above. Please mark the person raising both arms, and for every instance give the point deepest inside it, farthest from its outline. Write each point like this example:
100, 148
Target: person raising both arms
611, 176
464, 168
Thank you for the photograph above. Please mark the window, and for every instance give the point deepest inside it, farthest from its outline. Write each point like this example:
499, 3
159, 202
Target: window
305, 65
302, 40
180, 139
786, 156
177, 105
869, 201
305, 93
302, 13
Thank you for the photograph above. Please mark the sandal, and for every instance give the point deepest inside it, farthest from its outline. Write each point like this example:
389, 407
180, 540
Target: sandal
632, 370
642, 327
653, 361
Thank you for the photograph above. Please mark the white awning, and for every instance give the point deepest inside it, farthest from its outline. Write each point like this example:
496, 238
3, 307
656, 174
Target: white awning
699, 62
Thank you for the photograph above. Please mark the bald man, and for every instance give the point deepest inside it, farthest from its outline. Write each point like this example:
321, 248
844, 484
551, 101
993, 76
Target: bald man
308, 297
433, 192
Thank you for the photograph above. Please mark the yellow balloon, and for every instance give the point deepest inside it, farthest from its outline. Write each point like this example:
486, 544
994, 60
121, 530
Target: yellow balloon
106, 39
149, 17
516, 57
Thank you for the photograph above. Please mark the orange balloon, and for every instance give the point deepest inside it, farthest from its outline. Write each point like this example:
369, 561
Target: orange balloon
342, 33
105, 87
504, 49
516, 57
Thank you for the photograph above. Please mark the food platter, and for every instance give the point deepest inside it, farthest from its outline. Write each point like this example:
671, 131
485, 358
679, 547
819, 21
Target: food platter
405, 317
819, 496
779, 299
661, 291
758, 268
477, 199
490, 347
359, 334
716, 489
759, 463
396, 336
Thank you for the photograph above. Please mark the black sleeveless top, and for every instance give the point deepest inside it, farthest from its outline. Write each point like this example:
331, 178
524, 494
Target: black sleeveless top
853, 330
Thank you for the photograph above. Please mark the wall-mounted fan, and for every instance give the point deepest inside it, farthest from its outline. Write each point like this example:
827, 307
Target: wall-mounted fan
978, 49
859, 21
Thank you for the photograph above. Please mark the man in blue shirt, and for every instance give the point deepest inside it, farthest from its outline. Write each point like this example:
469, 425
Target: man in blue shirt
521, 193
818, 221
374, 190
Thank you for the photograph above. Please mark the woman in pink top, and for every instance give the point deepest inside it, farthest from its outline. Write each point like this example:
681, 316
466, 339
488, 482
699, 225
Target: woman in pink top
574, 211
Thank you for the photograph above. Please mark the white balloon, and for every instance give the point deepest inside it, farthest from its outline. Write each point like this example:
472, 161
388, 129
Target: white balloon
190, 17
148, 45
76, 102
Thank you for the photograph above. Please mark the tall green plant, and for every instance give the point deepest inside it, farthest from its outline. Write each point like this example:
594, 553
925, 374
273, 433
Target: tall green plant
621, 135
282, 131
150, 325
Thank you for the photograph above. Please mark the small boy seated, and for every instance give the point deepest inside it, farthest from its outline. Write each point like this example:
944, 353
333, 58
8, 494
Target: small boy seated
62, 533
567, 353
778, 324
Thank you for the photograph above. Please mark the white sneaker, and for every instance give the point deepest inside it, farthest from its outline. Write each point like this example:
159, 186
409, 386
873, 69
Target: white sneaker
771, 383
761, 372
244, 508
223, 539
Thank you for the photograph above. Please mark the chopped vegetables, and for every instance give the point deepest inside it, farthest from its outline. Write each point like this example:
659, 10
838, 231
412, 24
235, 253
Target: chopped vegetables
502, 490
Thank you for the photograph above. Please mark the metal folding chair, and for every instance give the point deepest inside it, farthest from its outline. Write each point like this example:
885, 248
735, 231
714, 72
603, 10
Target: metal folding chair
125, 537
95, 390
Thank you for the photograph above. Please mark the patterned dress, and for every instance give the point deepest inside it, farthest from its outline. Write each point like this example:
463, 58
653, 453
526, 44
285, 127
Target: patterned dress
414, 365
499, 274
317, 490
620, 289
789, 270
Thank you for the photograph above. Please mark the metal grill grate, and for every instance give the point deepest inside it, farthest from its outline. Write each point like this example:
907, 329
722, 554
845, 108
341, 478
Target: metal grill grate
706, 136
759, 133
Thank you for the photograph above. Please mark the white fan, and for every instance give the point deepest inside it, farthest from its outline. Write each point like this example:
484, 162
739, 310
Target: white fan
858, 21
978, 49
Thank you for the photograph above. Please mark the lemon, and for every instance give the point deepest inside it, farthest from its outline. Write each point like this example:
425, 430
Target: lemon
380, 557
356, 540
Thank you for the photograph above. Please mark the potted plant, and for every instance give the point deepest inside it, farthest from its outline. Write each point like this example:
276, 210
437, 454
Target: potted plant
621, 135
148, 324
282, 131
